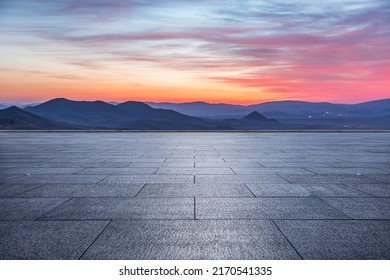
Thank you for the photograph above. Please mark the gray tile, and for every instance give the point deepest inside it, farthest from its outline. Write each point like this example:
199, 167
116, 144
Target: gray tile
265, 208
123, 208
93, 164
262, 159
362, 208
27, 208
191, 240
47, 239
292, 164
46, 179
80, 190
378, 190
131, 179
178, 165
146, 159
240, 179
118, 171
262, 170
171, 170
45, 171
209, 164
328, 179
195, 190
385, 178
334, 239
304, 190
344, 170
146, 165
11, 190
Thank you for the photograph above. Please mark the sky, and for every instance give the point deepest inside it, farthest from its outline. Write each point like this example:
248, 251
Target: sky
218, 51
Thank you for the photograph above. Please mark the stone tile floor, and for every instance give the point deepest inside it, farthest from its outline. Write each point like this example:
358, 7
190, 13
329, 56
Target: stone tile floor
194, 196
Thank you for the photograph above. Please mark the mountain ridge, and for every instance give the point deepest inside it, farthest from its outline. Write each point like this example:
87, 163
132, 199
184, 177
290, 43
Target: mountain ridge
62, 113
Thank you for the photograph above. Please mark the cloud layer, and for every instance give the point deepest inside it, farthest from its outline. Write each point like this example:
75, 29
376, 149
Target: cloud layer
252, 50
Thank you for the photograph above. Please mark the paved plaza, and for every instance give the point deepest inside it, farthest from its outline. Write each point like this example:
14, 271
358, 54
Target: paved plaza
194, 195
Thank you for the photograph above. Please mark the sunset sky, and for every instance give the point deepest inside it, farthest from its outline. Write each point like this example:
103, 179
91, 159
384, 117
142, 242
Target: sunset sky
240, 52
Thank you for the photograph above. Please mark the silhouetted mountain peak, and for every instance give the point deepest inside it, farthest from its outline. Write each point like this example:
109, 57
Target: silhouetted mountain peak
134, 105
255, 116
17, 118
13, 108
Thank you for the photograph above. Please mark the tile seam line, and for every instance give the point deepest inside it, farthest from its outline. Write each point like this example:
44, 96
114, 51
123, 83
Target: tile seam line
140, 190
102, 179
356, 189
285, 178
23, 192
289, 242
80, 170
38, 218
319, 198
195, 208
249, 190
90, 245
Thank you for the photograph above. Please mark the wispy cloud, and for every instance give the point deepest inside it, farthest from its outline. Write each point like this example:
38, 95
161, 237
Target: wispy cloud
290, 47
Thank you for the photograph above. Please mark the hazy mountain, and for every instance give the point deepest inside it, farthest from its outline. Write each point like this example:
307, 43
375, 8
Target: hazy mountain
256, 116
88, 113
282, 109
16, 118
127, 115
20, 105
204, 110
139, 110
62, 113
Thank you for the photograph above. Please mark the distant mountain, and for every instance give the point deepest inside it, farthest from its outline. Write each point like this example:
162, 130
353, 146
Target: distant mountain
204, 110
282, 109
62, 113
139, 110
16, 118
127, 115
20, 105
87, 113
256, 116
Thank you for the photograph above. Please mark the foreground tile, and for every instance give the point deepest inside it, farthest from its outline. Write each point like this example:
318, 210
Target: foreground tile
191, 240
27, 208
44, 171
149, 179
86, 190
265, 208
47, 239
378, 190
304, 190
123, 208
385, 178
195, 190
262, 170
362, 208
345, 170
335, 239
11, 190
178, 170
47, 179
328, 179
117, 171
240, 179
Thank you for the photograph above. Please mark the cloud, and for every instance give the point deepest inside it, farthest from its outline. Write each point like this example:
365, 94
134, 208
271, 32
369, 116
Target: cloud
285, 46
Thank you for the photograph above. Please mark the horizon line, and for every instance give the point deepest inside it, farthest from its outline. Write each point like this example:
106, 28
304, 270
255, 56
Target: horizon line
186, 102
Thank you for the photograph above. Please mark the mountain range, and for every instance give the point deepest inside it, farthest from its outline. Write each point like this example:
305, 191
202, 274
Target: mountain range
281, 109
61, 113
